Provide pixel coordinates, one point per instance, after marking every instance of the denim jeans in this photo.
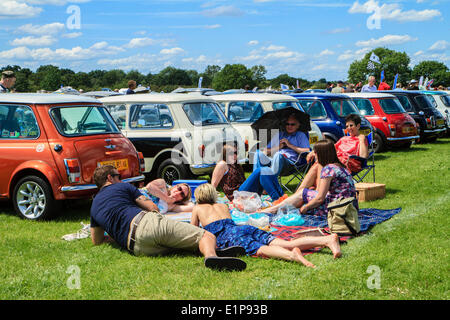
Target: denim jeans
(261, 179)
(276, 163)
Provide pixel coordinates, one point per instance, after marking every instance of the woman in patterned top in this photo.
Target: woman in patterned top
(335, 182)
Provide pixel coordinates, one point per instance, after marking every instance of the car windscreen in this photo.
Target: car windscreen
(204, 113)
(446, 100)
(391, 106)
(432, 101)
(287, 104)
(244, 111)
(423, 102)
(364, 106)
(314, 108)
(85, 120)
(344, 107)
(404, 101)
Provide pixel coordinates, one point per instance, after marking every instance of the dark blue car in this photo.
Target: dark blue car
(328, 111)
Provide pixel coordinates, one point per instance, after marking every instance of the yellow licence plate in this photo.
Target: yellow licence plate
(120, 164)
(440, 122)
(313, 139)
(365, 132)
(407, 129)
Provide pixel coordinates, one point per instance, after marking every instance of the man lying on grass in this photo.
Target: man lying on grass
(216, 218)
(133, 221)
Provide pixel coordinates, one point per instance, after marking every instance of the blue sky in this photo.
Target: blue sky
(311, 39)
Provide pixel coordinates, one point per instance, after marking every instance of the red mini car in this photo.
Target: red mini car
(393, 126)
(50, 145)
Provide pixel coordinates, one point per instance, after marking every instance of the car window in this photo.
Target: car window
(446, 100)
(18, 122)
(344, 107)
(77, 121)
(118, 112)
(432, 101)
(286, 104)
(364, 106)
(391, 106)
(423, 102)
(244, 111)
(200, 114)
(314, 108)
(150, 116)
(405, 103)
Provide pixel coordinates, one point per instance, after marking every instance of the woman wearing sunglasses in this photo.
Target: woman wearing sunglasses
(288, 144)
(169, 199)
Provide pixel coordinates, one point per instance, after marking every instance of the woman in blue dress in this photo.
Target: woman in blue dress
(216, 218)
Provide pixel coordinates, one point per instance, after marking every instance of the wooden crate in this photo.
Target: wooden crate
(370, 191)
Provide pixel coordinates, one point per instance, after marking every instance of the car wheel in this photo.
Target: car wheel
(169, 171)
(33, 199)
(378, 144)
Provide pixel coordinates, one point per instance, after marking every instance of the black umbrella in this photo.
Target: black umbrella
(275, 121)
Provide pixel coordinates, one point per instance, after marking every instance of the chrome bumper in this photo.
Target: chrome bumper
(434, 130)
(85, 187)
(403, 138)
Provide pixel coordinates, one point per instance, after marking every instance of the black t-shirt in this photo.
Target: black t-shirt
(113, 209)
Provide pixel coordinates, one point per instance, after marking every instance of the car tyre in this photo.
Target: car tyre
(378, 143)
(33, 199)
(170, 171)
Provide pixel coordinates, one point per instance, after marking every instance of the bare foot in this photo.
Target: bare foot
(334, 245)
(298, 257)
(269, 210)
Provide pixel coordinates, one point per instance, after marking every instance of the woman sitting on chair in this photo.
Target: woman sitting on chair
(229, 175)
(355, 144)
(288, 144)
(335, 182)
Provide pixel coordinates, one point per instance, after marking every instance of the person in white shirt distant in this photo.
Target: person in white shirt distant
(370, 86)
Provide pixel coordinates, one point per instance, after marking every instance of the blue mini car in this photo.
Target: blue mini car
(328, 111)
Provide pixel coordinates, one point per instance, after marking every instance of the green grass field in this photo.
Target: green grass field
(409, 252)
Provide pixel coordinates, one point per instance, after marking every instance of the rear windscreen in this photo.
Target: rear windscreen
(78, 121)
(423, 102)
(391, 106)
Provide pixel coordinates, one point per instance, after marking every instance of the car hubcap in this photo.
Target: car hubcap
(31, 200)
(170, 174)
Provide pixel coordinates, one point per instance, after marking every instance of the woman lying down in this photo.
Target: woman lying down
(216, 218)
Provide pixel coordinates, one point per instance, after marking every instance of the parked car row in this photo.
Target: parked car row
(51, 143)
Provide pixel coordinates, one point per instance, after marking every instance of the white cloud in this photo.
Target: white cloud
(17, 10)
(140, 42)
(72, 35)
(386, 40)
(350, 55)
(223, 11)
(48, 29)
(172, 51)
(440, 46)
(393, 11)
(326, 52)
(253, 42)
(33, 41)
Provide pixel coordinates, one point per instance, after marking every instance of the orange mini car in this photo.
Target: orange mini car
(50, 145)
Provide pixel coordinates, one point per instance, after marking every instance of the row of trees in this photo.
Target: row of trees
(231, 76)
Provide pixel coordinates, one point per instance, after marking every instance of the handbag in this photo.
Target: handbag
(343, 217)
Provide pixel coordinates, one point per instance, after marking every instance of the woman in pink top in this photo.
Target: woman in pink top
(353, 144)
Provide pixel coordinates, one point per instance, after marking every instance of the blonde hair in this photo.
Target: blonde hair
(205, 193)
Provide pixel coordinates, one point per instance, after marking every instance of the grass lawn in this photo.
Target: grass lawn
(409, 252)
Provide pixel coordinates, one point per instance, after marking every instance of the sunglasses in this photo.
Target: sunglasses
(179, 188)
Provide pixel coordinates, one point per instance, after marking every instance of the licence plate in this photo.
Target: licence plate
(440, 122)
(120, 164)
(407, 129)
(313, 139)
(365, 132)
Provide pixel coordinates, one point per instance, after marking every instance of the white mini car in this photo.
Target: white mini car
(441, 101)
(180, 135)
(244, 109)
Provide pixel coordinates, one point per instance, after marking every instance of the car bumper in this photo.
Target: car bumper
(85, 187)
(392, 139)
(434, 130)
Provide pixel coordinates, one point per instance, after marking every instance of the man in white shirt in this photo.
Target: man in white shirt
(370, 86)
(8, 80)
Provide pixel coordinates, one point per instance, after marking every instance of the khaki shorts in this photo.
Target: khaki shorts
(157, 235)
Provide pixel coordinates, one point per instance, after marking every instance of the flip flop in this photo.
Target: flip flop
(225, 264)
(234, 251)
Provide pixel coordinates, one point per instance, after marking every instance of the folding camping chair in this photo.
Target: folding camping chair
(366, 167)
(296, 170)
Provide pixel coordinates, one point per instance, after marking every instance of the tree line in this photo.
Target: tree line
(231, 76)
